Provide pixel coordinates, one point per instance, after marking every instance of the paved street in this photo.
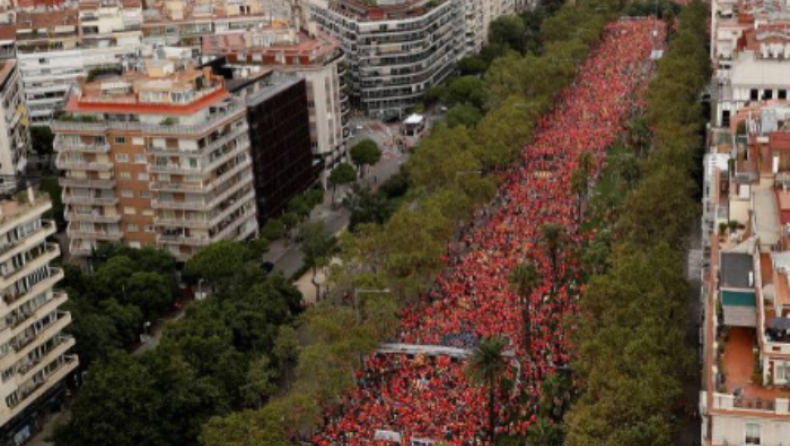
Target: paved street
(286, 255)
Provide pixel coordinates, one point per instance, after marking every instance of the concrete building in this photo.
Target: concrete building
(60, 43)
(34, 350)
(746, 287)
(157, 156)
(14, 131)
(750, 52)
(318, 59)
(396, 50)
(278, 119)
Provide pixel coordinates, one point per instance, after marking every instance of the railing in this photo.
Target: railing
(13, 301)
(51, 251)
(60, 346)
(61, 145)
(177, 187)
(92, 218)
(157, 203)
(723, 401)
(95, 235)
(88, 200)
(223, 139)
(32, 393)
(249, 197)
(65, 164)
(86, 183)
(233, 111)
(182, 240)
(241, 165)
(181, 223)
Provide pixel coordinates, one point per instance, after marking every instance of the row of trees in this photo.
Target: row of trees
(393, 256)
(632, 354)
(230, 352)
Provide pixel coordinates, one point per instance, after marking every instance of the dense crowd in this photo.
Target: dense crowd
(429, 397)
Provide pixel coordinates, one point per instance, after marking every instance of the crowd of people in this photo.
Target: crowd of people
(429, 397)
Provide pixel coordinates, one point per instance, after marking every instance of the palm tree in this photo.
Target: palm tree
(523, 278)
(553, 235)
(486, 367)
(579, 185)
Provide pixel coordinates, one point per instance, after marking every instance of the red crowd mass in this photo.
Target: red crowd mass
(426, 397)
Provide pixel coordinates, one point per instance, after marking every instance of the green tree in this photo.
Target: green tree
(341, 175)
(466, 115)
(52, 188)
(464, 90)
(553, 236)
(366, 206)
(272, 230)
(42, 140)
(218, 261)
(245, 428)
(261, 382)
(365, 153)
(472, 66)
(299, 206)
(509, 30)
(150, 292)
(318, 244)
(486, 367)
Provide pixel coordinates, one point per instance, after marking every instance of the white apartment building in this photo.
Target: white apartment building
(396, 50)
(34, 351)
(158, 156)
(14, 131)
(57, 45)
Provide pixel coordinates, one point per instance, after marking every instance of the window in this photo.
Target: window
(754, 94)
(127, 193)
(131, 227)
(781, 94)
(129, 210)
(148, 212)
(768, 94)
(164, 177)
(121, 158)
(120, 140)
(149, 228)
(124, 175)
(143, 176)
(752, 433)
(138, 141)
(145, 194)
(139, 158)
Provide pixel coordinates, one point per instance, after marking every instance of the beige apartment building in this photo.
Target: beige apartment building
(34, 351)
(158, 156)
(14, 133)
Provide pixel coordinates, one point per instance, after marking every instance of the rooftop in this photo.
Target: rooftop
(44, 20)
(739, 366)
(384, 9)
(22, 202)
(272, 47)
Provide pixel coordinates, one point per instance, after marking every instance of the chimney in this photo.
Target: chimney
(30, 195)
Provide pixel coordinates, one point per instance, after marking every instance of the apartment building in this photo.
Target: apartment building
(14, 132)
(398, 49)
(34, 351)
(58, 44)
(318, 59)
(746, 286)
(282, 158)
(750, 52)
(157, 156)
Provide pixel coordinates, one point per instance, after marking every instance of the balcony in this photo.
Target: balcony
(60, 347)
(14, 301)
(195, 205)
(175, 187)
(63, 146)
(217, 119)
(163, 239)
(24, 345)
(17, 322)
(174, 168)
(222, 179)
(32, 239)
(92, 218)
(51, 252)
(181, 223)
(86, 183)
(88, 200)
(246, 219)
(64, 163)
(94, 235)
(247, 198)
(69, 364)
(223, 139)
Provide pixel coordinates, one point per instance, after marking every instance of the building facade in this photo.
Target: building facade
(279, 126)
(318, 59)
(15, 142)
(159, 156)
(57, 45)
(34, 350)
(397, 50)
